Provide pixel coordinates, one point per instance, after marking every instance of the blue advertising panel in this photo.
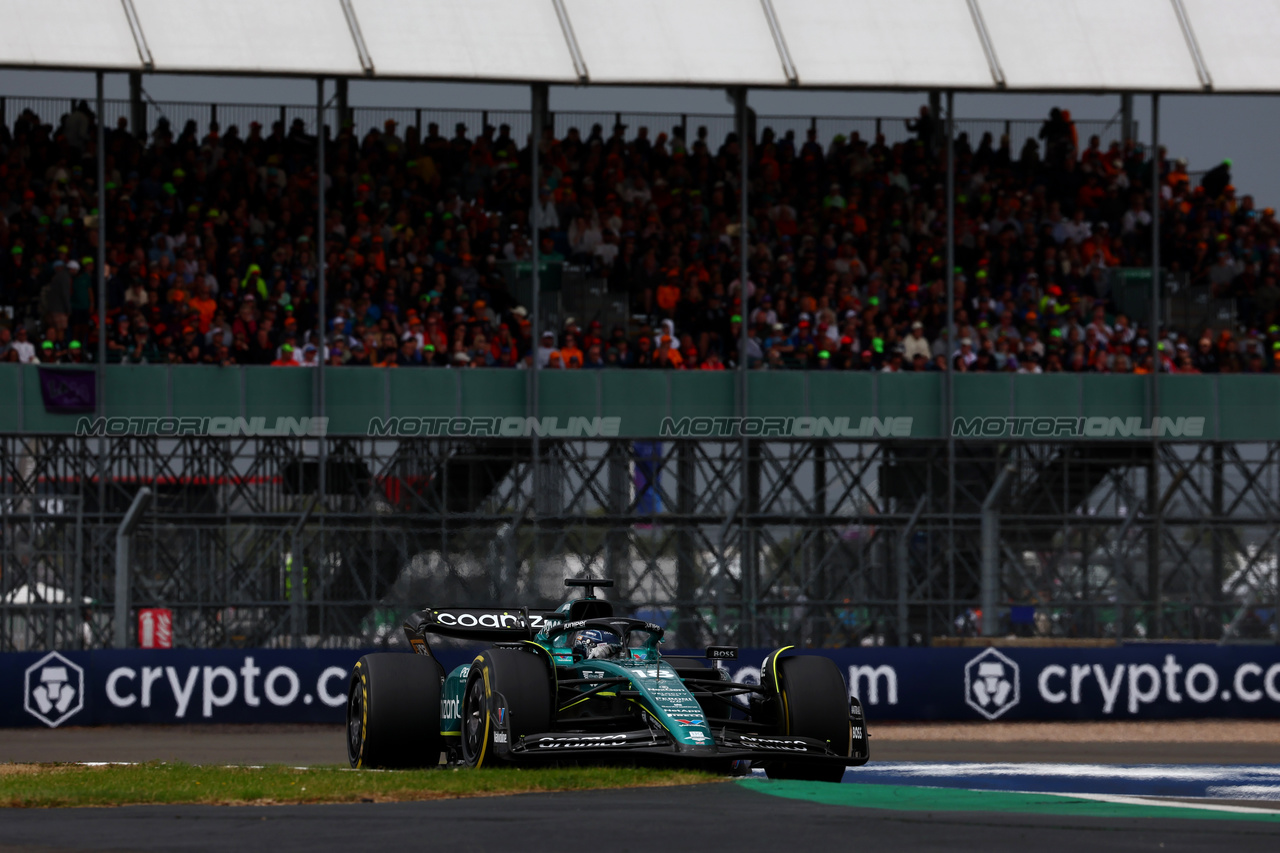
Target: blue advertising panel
(1132, 682)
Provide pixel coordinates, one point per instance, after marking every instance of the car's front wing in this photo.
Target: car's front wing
(736, 746)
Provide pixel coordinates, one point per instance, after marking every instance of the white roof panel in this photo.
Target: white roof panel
(466, 39)
(1238, 42)
(878, 44)
(676, 42)
(89, 34)
(275, 37)
(1091, 45)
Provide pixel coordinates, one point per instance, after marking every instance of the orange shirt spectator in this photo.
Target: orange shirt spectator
(666, 356)
(205, 306)
(669, 292)
(570, 354)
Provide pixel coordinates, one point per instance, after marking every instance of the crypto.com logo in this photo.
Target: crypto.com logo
(53, 690)
(991, 684)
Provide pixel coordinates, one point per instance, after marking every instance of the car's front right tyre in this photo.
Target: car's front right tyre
(523, 680)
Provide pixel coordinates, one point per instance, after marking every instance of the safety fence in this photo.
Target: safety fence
(820, 542)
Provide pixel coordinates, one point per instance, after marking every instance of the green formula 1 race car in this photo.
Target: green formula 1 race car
(580, 683)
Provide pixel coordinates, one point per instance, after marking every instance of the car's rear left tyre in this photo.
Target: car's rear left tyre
(523, 680)
(393, 711)
(814, 704)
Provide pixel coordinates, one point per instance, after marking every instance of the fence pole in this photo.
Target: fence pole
(124, 574)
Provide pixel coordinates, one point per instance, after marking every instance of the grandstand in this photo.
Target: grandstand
(211, 263)
(493, 260)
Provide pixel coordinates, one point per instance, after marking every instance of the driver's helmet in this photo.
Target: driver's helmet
(593, 643)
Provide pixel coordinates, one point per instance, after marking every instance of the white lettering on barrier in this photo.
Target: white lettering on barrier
(1242, 691)
(1079, 672)
(1171, 670)
(1138, 696)
(1208, 672)
(150, 675)
(333, 700)
(213, 699)
(1269, 683)
(113, 687)
(873, 675)
(1110, 690)
(269, 686)
(1054, 697)
(249, 672)
(182, 692)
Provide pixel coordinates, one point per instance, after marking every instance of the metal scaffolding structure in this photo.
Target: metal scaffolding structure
(813, 542)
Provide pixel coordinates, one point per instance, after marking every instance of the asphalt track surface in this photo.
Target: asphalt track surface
(703, 818)
(915, 796)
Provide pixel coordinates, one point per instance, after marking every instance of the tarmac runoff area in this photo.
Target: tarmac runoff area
(991, 787)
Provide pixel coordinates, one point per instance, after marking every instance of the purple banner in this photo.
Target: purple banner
(68, 391)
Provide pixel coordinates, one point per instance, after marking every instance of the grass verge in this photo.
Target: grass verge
(50, 785)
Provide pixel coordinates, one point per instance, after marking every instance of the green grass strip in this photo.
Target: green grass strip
(918, 799)
(116, 785)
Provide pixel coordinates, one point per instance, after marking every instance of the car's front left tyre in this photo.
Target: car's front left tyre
(811, 701)
(393, 711)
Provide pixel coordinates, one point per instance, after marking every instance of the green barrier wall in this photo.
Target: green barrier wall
(1238, 408)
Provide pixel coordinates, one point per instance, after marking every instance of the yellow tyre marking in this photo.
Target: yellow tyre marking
(786, 708)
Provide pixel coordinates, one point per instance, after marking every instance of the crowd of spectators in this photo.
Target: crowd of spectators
(212, 249)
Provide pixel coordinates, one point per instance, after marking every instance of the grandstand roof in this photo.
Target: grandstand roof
(968, 45)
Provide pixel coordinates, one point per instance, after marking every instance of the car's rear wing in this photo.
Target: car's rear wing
(488, 624)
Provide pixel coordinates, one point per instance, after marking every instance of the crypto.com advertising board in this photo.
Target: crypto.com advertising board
(1137, 682)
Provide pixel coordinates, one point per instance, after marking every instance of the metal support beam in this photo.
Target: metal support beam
(1154, 582)
(991, 552)
(686, 545)
(124, 572)
(948, 404)
(539, 103)
(323, 295)
(102, 247)
(749, 483)
(903, 567)
(1217, 559)
(102, 293)
(1126, 117)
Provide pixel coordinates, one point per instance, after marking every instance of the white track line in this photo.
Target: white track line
(1159, 803)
